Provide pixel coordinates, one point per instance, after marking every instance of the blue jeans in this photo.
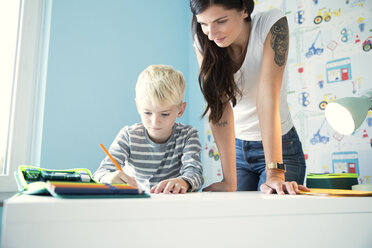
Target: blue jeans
(250, 162)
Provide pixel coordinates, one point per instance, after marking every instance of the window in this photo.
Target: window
(9, 13)
(21, 92)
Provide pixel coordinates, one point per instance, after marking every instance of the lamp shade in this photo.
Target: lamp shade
(345, 115)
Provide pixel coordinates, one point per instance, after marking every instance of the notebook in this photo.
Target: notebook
(336, 192)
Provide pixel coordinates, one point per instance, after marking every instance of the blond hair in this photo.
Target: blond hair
(162, 84)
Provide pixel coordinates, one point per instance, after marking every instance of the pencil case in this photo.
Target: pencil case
(70, 183)
(332, 180)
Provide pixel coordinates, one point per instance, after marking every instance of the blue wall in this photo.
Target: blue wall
(96, 51)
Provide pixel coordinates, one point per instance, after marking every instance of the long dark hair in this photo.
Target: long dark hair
(216, 76)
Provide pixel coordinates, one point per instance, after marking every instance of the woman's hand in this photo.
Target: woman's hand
(118, 177)
(275, 184)
(174, 186)
(221, 186)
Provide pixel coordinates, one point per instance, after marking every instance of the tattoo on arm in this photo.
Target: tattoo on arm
(222, 124)
(279, 40)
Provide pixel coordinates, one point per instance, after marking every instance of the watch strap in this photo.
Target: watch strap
(276, 165)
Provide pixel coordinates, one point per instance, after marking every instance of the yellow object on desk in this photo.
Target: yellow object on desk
(336, 192)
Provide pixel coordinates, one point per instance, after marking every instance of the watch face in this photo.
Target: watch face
(281, 166)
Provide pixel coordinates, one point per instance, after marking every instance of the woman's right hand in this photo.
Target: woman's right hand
(118, 177)
(221, 186)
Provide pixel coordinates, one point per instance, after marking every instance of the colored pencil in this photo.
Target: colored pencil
(112, 158)
(118, 167)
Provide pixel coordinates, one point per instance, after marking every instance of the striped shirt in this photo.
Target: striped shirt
(150, 163)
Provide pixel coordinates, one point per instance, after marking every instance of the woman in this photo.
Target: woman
(242, 62)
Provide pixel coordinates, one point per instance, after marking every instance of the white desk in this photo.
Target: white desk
(239, 219)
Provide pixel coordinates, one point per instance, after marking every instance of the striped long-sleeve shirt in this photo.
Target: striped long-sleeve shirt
(149, 162)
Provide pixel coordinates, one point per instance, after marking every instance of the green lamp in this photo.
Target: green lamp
(347, 114)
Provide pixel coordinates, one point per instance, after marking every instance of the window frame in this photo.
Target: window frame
(24, 134)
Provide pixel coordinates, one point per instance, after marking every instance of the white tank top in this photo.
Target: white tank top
(247, 126)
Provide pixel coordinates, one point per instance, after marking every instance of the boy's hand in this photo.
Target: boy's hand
(118, 177)
(174, 186)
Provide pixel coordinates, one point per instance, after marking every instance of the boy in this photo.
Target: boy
(160, 155)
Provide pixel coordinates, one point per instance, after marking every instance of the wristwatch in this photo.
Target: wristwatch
(275, 165)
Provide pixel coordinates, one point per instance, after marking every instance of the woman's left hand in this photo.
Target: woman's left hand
(276, 184)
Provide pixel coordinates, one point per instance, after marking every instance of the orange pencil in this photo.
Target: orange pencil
(112, 158)
(132, 181)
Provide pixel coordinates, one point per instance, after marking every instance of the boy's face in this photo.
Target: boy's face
(158, 120)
